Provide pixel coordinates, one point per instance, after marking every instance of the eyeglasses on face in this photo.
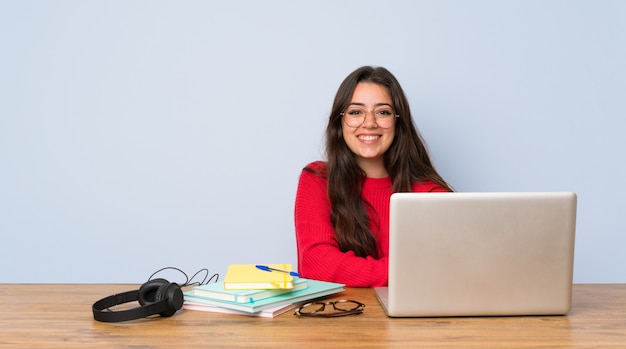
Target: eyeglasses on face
(343, 307)
(355, 116)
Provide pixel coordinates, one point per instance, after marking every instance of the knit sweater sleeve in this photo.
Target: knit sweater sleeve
(319, 256)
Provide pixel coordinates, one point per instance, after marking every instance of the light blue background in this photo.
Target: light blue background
(141, 134)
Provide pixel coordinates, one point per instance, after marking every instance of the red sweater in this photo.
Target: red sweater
(319, 256)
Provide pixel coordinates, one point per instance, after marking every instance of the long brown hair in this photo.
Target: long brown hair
(407, 162)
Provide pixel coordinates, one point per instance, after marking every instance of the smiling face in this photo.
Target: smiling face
(369, 141)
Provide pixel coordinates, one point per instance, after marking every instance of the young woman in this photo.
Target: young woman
(342, 205)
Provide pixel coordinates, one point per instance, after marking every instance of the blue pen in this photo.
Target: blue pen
(266, 268)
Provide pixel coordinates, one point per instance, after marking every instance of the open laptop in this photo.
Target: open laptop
(480, 254)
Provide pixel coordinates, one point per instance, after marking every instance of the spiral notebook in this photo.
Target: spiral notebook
(480, 254)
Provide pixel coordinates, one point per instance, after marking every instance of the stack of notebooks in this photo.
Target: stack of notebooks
(248, 290)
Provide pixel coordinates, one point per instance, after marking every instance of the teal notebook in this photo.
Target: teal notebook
(315, 289)
(216, 291)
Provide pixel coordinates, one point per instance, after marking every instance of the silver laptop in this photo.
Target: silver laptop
(480, 254)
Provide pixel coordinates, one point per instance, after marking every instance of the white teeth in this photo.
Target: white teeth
(368, 138)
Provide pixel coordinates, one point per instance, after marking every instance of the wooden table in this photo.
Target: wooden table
(59, 316)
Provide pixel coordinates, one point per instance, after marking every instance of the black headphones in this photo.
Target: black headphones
(157, 296)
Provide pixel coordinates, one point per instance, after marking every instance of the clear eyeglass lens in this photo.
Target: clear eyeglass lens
(347, 306)
(355, 117)
(311, 308)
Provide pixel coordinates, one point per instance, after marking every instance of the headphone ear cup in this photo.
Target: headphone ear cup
(148, 291)
(174, 296)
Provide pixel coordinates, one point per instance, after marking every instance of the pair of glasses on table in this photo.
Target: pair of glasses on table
(343, 307)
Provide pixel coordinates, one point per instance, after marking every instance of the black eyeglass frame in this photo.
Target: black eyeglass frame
(356, 310)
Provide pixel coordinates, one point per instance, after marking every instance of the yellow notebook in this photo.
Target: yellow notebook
(248, 276)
